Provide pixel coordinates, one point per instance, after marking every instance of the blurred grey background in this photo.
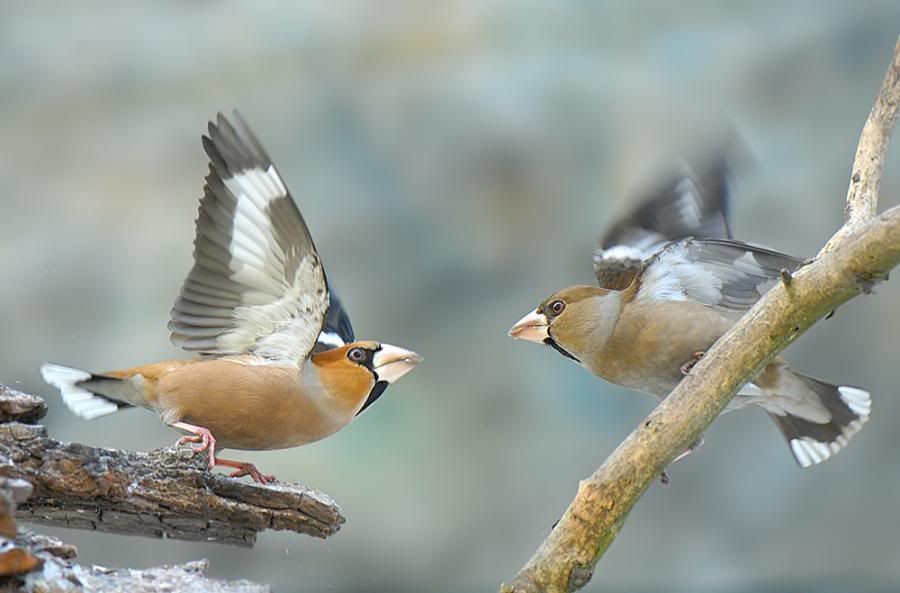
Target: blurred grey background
(456, 162)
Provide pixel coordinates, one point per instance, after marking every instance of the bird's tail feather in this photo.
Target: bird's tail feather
(813, 443)
(78, 390)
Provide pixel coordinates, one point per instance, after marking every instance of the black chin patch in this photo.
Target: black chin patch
(550, 342)
(376, 392)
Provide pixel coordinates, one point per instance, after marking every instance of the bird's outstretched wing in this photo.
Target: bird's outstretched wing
(694, 203)
(257, 285)
(728, 275)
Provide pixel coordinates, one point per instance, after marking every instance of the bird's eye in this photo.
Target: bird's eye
(357, 354)
(557, 307)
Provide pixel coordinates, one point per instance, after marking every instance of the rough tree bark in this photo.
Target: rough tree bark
(163, 493)
(167, 492)
(34, 563)
(860, 254)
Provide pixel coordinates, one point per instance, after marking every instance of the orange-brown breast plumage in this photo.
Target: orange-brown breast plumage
(254, 406)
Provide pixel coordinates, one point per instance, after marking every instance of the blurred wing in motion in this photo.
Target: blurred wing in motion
(257, 285)
(695, 203)
(728, 275)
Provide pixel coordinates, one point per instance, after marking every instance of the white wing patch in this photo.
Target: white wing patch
(639, 246)
(725, 274)
(257, 183)
(257, 284)
(619, 252)
(331, 339)
(273, 329)
(692, 203)
(253, 247)
(258, 262)
(270, 320)
(673, 277)
(688, 203)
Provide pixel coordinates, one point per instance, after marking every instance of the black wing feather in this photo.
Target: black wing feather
(693, 203)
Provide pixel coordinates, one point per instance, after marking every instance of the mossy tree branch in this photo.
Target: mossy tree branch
(860, 254)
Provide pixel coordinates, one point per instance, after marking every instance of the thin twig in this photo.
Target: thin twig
(865, 176)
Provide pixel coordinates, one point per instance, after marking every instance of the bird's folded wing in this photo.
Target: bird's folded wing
(257, 285)
(694, 203)
(728, 275)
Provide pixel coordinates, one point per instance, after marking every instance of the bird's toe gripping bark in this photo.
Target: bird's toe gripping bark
(198, 435)
(244, 468)
(686, 367)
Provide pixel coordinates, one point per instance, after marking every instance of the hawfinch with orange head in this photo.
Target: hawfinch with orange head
(279, 365)
(664, 298)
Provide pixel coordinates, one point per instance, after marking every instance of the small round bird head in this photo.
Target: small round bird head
(571, 321)
(361, 371)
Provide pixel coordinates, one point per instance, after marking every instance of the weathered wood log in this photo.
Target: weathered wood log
(39, 564)
(167, 492)
(21, 407)
(36, 563)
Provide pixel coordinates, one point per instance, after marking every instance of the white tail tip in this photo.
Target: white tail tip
(808, 451)
(82, 402)
(858, 400)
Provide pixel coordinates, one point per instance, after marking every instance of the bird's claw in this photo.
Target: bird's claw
(249, 469)
(786, 276)
(686, 367)
(207, 443)
(245, 468)
(664, 476)
(188, 438)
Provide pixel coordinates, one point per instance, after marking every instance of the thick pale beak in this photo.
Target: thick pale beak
(391, 363)
(533, 327)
